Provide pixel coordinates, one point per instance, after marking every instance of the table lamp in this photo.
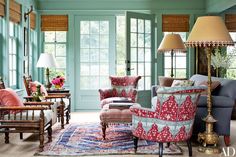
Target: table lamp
(172, 43)
(46, 60)
(209, 32)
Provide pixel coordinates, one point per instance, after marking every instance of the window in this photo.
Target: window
(120, 46)
(179, 61)
(55, 42)
(231, 71)
(12, 56)
(32, 48)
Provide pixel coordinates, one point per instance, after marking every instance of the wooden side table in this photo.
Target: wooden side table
(65, 92)
(58, 91)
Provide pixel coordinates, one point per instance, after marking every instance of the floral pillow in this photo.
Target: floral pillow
(182, 83)
(33, 87)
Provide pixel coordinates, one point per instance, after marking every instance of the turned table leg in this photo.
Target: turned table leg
(104, 126)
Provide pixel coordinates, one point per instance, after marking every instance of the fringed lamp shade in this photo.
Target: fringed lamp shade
(209, 31)
(172, 42)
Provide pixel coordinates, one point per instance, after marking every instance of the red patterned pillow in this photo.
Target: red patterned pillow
(33, 87)
(8, 97)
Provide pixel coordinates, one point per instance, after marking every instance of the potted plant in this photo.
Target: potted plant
(58, 82)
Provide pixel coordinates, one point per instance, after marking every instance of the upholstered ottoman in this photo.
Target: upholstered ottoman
(113, 115)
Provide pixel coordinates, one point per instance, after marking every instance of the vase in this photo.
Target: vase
(37, 96)
(57, 87)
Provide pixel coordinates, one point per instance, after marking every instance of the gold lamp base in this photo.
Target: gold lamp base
(209, 138)
(209, 150)
(48, 84)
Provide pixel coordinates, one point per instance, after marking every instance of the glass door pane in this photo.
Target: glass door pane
(140, 47)
(94, 54)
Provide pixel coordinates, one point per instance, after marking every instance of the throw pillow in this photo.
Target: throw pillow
(9, 97)
(165, 81)
(182, 83)
(33, 87)
(214, 85)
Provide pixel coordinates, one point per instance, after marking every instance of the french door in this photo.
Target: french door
(140, 34)
(95, 58)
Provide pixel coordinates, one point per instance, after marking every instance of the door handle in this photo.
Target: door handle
(129, 69)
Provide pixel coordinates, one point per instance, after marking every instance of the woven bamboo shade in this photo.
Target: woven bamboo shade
(2, 8)
(54, 22)
(32, 20)
(230, 22)
(175, 23)
(15, 12)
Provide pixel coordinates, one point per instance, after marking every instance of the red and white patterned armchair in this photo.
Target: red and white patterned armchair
(123, 88)
(172, 118)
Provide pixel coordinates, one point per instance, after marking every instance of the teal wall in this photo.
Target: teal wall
(218, 6)
(73, 5)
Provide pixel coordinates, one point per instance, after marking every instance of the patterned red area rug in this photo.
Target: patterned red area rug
(86, 139)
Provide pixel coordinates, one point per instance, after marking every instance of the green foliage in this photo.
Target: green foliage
(231, 74)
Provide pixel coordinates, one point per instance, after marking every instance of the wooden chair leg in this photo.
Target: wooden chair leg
(168, 144)
(41, 131)
(160, 149)
(41, 141)
(7, 136)
(59, 115)
(69, 107)
(135, 143)
(67, 116)
(50, 132)
(190, 152)
(62, 115)
(21, 135)
(104, 126)
(227, 140)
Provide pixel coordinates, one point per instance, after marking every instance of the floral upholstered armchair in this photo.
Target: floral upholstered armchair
(123, 88)
(172, 118)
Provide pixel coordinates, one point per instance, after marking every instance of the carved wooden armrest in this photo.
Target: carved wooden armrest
(44, 103)
(23, 108)
(55, 96)
(61, 95)
(67, 95)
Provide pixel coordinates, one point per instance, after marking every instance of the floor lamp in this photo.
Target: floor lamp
(209, 32)
(46, 60)
(172, 43)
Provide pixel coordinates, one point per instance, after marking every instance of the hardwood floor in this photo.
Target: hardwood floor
(29, 145)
